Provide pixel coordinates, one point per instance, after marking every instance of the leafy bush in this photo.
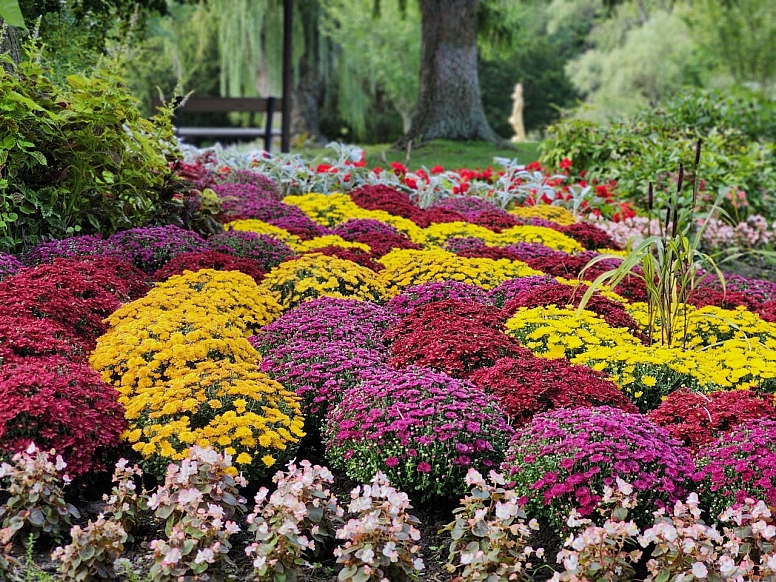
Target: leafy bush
(563, 460)
(528, 385)
(422, 428)
(739, 465)
(92, 551)
(79, 159)
(698, 419)
(59, 404)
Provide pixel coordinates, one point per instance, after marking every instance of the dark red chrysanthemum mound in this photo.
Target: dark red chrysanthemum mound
(431, 216)
(767, 311)
(589, 236)
(562, 295)
(486, 252)
(699, 419)
(529, 385)
(23, 335)
(429, 315)
(382, 244)
(59, 404)
(703, 296)
(382, 197)
(209, 260)
(495, 220)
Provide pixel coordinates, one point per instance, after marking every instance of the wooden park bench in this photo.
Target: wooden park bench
(266, 105)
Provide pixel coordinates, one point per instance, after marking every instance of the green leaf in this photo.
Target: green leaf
(36, 517)
(663, 576)
(11, 13)
(86, 552)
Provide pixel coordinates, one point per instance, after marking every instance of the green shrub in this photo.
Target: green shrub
(737, 150)
(78, 159)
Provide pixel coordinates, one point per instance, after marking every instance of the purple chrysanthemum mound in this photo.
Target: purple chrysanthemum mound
(740, 464)
(353, 228)
(241, 201)
(510, 288)
(422, 428)
(319, 372)
(9, 265)
(526, 251)
(87, 245)
(462, 244)
(563, 459)
(149, 248)
(328, 319)
(300, 225)
(418, 295)
(249, 177)
(265, 249)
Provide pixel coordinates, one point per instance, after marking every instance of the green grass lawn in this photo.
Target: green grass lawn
(448, 154)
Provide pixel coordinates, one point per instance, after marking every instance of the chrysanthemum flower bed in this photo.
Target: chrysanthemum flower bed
(415, 343)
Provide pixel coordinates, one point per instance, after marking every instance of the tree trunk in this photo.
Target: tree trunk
(305, 102)
(11, 43)
(449, 101)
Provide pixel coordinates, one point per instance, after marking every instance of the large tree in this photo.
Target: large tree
(449, 100)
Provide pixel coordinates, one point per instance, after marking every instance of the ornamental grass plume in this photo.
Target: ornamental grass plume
(265, 249)
(151, 247)
(526, 386)
(320, 372)
(418, 295)
(740, 464)
(422, 428)
(209, 260)
(327, 319)
(563, 459)
(59, 404)
(698, 419)
(316, 275)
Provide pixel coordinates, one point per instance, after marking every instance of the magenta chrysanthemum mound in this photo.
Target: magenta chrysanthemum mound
(564, 458)
(328, 319)
(418, 295)
(740, 464)
(423, 429)
(265, 249)
(319, 372)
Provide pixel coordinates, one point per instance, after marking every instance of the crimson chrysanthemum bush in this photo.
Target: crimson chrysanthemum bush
(698, 419)
(486, 252)
(495, 220)
(382, 244)
(728, 299)
(75, 293)
(466, 205)
(423, 429)
(767, 311)
(555, 293)
(60, 404)
(413, 297)
(528, 385)
(24, 335)
(454, 346)
(429, 316)
(209, 260)
(560, 264)
(358, 256)
(512, 287)
(430, 216)
(589, 236)
(383, 197)
(353, 228)
(740, 464)
(563, 459)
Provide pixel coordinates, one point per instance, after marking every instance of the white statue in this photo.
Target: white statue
(516, 119)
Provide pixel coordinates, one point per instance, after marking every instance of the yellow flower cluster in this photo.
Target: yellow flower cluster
(232, 294)
(557, 332)
(314, 275)
(406, 267)
(261, 227)
(553, 213)
(187, 375)
(438, 234)
(709, 325)
(745, 362)
(538, 234)
(329, 240)
(333, 209)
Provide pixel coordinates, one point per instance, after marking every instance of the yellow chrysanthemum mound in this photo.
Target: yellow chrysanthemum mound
(538, 234)
(232, 294)
(188, 375)
(709, 325)
(315, 275)
(555, 332)
(553, 213)
(437, 235)
(333, 209)
(329, 240)
(405, 268)
(261, 227)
